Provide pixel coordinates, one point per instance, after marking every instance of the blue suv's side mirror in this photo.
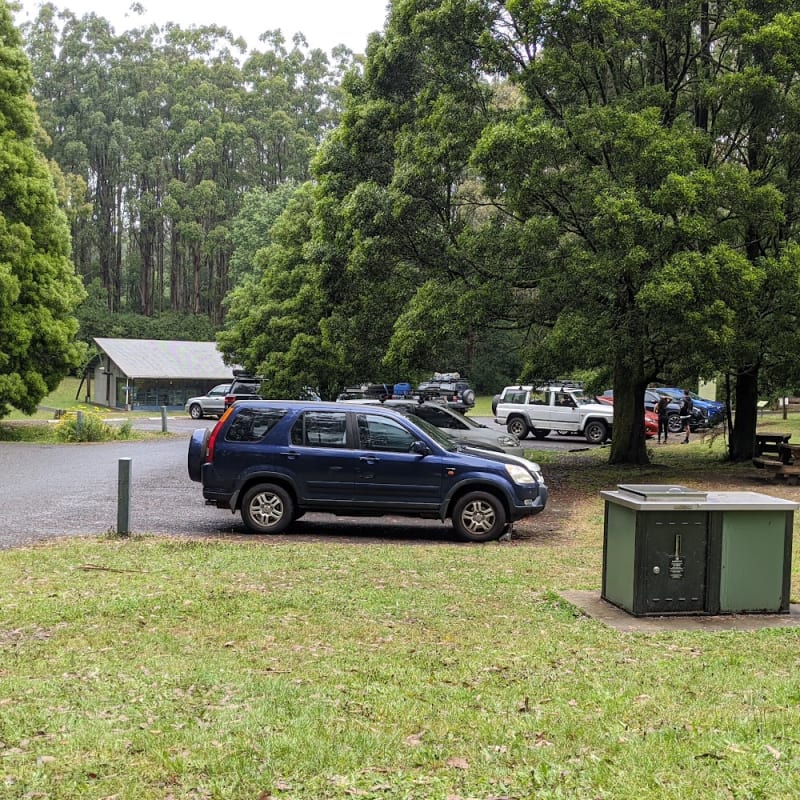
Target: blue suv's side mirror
(421, 448)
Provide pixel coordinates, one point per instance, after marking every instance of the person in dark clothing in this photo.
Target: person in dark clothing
(686, 414)
(663, 417)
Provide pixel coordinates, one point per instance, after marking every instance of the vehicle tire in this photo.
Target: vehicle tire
(596, 432)
(564, 433)
(518, 427)
(267, 508)
(468, 398)
(674, 423)
(541, 433)
(196, 411)
(479, 517)
(198, 444)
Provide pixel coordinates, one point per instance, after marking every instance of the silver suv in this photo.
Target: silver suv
(211, 404)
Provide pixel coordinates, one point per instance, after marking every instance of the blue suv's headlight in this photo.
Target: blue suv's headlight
(522, 476)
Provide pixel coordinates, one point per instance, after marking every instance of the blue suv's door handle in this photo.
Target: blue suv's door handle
(291, 454)
(369, 459)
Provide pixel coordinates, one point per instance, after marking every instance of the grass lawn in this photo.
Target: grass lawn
(277, 668)
(66, 396)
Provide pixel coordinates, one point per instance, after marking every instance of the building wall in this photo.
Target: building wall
(152, 393)
(104, 387)
(112, 389)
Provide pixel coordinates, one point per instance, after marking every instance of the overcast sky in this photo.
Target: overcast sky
(325, 23)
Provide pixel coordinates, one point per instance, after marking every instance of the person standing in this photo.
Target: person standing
(663, 417)
(687, 405)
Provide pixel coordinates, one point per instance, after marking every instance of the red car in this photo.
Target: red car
(650, 417)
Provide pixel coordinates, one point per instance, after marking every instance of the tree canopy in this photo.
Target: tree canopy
(614, 181)
(607, 187)
(164, 131)
(39, 289)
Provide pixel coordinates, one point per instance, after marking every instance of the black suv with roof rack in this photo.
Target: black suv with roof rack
(367, 391)
(449, 388)
(244, 387)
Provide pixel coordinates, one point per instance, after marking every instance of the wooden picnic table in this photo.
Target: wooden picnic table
(770, 443)
(784, 462)
(789, 453)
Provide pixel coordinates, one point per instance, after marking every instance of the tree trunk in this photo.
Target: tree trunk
(628, 415)
(743, 432)
(197, 281)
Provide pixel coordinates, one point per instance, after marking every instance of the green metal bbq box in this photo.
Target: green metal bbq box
(668, 549)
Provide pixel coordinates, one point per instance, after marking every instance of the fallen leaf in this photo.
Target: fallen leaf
(458, 763)
(541, 741)
(773, 752)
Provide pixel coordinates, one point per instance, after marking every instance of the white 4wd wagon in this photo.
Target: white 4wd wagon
(563, 407)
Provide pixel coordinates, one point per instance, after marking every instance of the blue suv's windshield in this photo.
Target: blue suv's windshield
(437, 434)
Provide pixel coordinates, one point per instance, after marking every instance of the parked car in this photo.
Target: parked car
(562, 407)
(650, 417)
(449, 387)
(711, 412)
(462, 428)
(244, 387)
(211, 404)
(674, 422)
(366, 391)
(274, 460)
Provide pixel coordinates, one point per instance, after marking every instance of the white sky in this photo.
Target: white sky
(325, 23)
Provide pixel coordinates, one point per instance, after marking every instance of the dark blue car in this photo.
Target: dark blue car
(274, 460)
(712, 410)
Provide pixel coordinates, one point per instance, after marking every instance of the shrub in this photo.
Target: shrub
(84, 427)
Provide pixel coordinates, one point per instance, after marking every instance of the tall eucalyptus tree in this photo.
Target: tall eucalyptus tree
(169, 129)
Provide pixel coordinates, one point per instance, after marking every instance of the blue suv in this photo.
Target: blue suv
(713, 412)
(274, 460)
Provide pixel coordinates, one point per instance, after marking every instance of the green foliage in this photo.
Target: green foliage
(167, 130)
(251, 228)
(273, 314)
(86, 426)
(42, 434)
(612, 211)
(38, 286)
(96, 319)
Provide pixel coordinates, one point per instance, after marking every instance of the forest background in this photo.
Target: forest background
(508, 189)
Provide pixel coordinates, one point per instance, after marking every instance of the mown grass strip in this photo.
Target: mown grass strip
(152, 668)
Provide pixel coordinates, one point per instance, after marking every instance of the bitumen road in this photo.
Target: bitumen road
(56, 490)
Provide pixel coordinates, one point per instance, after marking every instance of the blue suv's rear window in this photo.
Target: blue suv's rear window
(253, 424)
(320, 429)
